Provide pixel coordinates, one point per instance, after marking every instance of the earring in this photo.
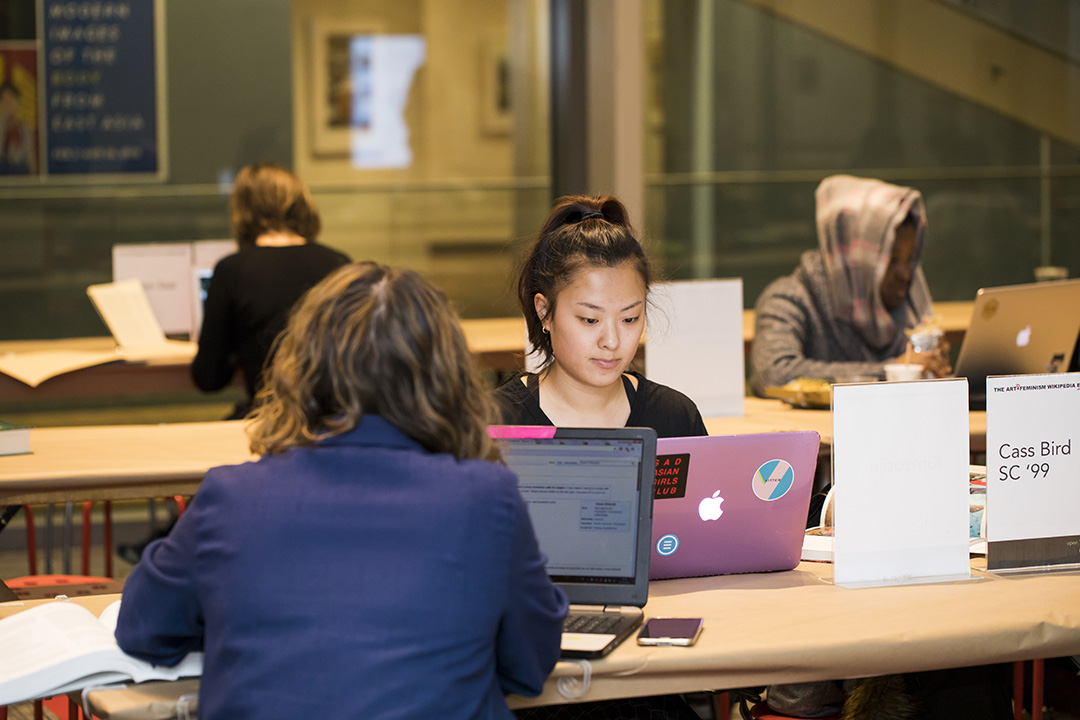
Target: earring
(543, 330)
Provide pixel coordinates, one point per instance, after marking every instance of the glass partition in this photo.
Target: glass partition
(751, 109)
(433, 167)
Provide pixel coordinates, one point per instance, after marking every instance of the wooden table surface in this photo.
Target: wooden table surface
(499, 344)
(797, 626)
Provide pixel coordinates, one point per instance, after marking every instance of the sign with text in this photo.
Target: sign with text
(165, 272)
(1032, 471)
(694, 342)
(671, 472)
(900, 474)
(175, 276)
(101, 96)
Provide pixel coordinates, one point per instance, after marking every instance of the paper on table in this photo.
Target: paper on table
(819, 548)
(126, 311)
(35, 367)
(166, 352)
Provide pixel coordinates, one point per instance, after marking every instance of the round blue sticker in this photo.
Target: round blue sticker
(667, 545)
(773, 479)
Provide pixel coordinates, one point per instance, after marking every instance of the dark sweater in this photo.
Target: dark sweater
(796, 334)
(667, 411)
(247, 306)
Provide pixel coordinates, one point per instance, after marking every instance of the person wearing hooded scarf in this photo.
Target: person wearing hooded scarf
(844, 310)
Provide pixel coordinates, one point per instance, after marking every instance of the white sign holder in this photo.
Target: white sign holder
(694, 343)
(900, 472)
(1033, 472)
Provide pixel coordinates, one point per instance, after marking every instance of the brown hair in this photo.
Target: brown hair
(371, 339)
(580, 232)
(268, 198)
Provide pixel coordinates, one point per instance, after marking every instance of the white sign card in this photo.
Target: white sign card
(694, 342)
(900, 473)
(165, 272)
(1032, 471)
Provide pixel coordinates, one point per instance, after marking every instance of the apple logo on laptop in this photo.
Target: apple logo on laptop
(1023, 337)
(709, 508)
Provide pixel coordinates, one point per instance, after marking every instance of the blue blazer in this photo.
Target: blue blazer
(360, 577)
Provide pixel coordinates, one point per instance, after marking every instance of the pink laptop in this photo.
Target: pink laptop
(731, 503)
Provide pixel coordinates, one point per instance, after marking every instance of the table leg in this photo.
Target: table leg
(1018, 689)
(48, 539)
(8, 515)
(1037, 689)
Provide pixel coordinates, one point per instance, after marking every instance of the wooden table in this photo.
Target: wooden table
(797, 626)
(119, 462)
(499, 344)
(139, 461)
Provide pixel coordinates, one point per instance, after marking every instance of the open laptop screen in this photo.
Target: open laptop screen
(1020, 330)
(589, 493)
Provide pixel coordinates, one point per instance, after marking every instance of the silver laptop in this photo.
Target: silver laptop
(589, 493)
(1020, 330)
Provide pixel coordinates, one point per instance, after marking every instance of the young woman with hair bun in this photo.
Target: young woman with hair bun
(584, 290)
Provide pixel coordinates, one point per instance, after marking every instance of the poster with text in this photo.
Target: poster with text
(101, 68)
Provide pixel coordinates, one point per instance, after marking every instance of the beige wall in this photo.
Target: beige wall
(455, 194)
(449, 137)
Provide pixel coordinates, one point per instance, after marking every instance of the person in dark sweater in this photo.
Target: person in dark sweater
(251, 292)
(846, 310)
(583, 290)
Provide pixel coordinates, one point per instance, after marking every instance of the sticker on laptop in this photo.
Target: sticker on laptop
(670, 480)
(667, 545)
(773, 480)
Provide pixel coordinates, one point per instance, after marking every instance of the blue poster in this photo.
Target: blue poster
(100, 83)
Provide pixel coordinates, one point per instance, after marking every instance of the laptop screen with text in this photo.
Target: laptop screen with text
(589, 494)
(582, 497)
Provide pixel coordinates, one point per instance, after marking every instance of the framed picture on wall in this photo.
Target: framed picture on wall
(495, 115)
(335, 88)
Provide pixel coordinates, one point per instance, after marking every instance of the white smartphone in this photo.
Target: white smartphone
(670, 631)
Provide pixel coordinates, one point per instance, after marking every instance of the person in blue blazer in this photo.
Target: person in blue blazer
(374, 563)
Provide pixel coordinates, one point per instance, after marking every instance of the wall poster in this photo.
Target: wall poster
(81, 93)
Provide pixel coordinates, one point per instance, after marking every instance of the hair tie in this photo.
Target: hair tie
(591, 214)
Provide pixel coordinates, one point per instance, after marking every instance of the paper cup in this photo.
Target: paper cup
(1049, 273)
(903, 371)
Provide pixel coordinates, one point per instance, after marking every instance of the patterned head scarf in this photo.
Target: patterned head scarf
(856, 222)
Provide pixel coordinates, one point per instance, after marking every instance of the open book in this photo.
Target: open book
(59, 647)
(126, 311)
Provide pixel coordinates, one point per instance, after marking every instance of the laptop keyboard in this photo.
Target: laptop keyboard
(592, 623)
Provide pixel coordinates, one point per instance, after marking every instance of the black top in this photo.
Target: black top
(247, 305)
(667, 411)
